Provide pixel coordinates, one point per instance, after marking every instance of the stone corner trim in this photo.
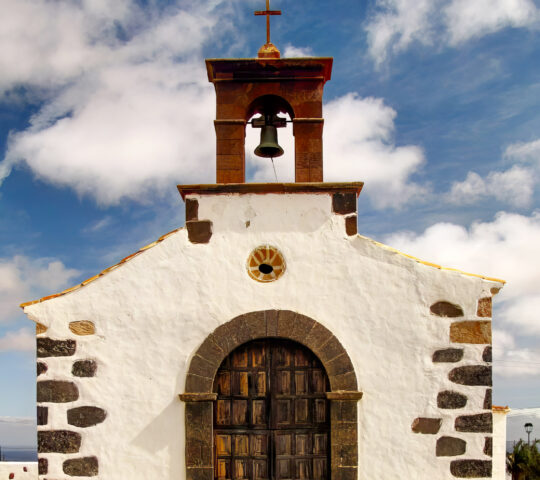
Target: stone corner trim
(199, 231)
(446, 309)
(471, 468)
(484, 307)
(86, 416)
(473, 375)
(451, 400)
(84, 368)
(47, 347)
(81, 467)
(344, 203)
(479, 423)
(56, 391)
(351, 225)
(192, 209)
(344, 395)
(476, 331)
(448, 355)
(82, 327)
(58, 441)
(450, 447)
(428, 426)
(197, 397)
(40, 328)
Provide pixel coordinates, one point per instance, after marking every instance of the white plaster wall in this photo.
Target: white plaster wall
(18, 470)
(153, 312)
(499, 445)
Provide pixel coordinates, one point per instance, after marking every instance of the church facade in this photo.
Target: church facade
(267, 338)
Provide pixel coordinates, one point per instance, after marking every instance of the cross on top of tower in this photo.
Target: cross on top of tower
(268, 50)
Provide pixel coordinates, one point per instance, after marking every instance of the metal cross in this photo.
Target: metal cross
(268, 12)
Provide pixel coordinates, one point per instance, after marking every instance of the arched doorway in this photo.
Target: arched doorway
(271, 414)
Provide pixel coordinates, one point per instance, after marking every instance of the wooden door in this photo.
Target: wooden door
(271, 417)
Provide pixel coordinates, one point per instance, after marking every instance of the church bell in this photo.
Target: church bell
(269, 147)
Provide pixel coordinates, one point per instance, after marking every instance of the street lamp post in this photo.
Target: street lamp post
(528, 429)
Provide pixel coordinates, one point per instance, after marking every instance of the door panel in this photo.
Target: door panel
(271, 415)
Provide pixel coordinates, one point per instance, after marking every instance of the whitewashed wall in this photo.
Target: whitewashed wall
(499, 444)
(19, 470)
(153, 312)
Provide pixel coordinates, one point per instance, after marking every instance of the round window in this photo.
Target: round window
(265, 264)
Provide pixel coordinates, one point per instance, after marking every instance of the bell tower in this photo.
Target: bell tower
(269, 85)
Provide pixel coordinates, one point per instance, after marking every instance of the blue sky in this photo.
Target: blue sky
(434, 104)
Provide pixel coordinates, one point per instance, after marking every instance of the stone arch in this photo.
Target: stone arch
(266, 103)
(283, 324)
(268, 324)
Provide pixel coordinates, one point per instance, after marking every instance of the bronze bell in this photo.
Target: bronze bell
(269, 147)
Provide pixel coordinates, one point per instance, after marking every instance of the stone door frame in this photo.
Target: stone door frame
(285, 324)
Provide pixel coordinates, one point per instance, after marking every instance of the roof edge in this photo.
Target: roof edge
(102, 273)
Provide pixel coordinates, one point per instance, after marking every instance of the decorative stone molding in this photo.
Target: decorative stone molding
(58, 441)
(84, 368)
(351, 225)
(428, 426)
(484, 307)
(448, 355)
(57, 391)
(487, 400)
(471, 468)
(488, 446)
(482, 422)
(43, 466)
(42, 415)
(448, 399)
(40, 328)
(192, 209)
(199, 231)
(41, 368)
(47, 347)
(85, 416)
(82, 327)
(486, 355)
(344, 203)
(476, 332)
(474, 375)
(450, 447)
(81, 467)
(446, 309)
(284, 324)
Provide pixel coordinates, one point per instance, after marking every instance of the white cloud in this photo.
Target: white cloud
(514, 186)
(23, 340)
(505, 248)
(292, 51)
(23, 279)
(358, 145)
(129, 117)
(397, 24)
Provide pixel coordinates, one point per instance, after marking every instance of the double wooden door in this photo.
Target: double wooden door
(271, 417)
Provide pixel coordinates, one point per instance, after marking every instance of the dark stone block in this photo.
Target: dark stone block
(195, 383)
(450, 447)
(339, 365)
(84, 368)
(487, 400)
(200, 473)
(482, 422)
(345, 473)
(476, 375)
(285, 322)
(471, 468)
(41, 368)
(446, 309)
(271, 319)
(47, 347)
(211, 352)
(201, 367)
(58, 441)
(85, 416)
(81, 467)
(192, 209)
(344, 411)
(351, 225)
(317, 337)
(42, 415)
(43, 466)
(345, 381)
(448, 355)
(488, 446)
(199, 231)
(344, 203)
(330, 350)
(449, 399)
(255, 322)
(56, 391)
(486, 355)
(426, 425)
